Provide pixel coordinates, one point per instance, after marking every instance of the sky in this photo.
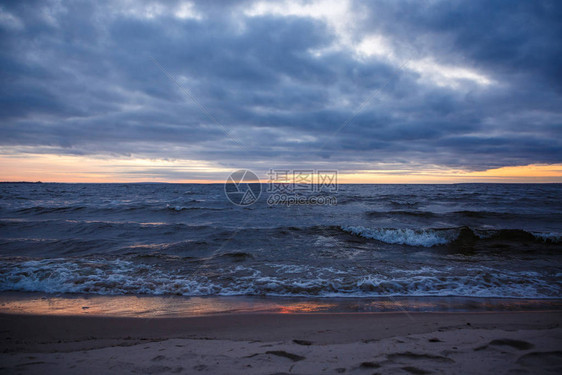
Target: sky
(381, 91)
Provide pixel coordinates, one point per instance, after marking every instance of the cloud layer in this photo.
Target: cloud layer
(357, 86)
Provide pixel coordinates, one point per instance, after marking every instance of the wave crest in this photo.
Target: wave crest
(443, 236)
(411, 237)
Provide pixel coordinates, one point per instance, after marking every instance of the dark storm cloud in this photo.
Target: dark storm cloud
(473, 84)
(505, 37)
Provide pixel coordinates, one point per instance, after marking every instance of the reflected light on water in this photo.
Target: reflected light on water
(177, 306)
(137, 306)
(306, 307)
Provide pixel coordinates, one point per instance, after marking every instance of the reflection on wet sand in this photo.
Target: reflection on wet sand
(176, 306)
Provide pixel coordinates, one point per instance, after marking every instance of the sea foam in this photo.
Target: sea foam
(411, 237)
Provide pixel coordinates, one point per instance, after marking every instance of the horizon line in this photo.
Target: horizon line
(266, 182)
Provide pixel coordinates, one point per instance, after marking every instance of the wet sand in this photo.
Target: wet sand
(274, 343)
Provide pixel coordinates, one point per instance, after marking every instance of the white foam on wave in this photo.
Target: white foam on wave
(114, 277)
(553, 237)
(411, 237)
(478, 283)
(176, 208)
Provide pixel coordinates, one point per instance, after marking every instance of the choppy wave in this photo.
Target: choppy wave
(50, 209)
(455, 215)
(552, 237)
(114, 277)
(379, 240)
(116, 207)
(411, 237)
(442, 236)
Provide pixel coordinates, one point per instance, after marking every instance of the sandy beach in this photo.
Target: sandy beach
(370, 343)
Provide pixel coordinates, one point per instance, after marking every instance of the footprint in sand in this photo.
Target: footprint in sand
(517, 344)
(369, 365)
(544, 360)
(415, 370)
(302, 342)
(282, 353)
(418, 356)
(161, 369)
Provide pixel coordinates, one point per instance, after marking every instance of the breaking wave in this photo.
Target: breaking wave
(117, 277)
(411, 237)
(443, 236)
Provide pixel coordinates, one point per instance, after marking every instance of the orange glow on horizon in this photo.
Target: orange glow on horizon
(523, 173)
(66, 168)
